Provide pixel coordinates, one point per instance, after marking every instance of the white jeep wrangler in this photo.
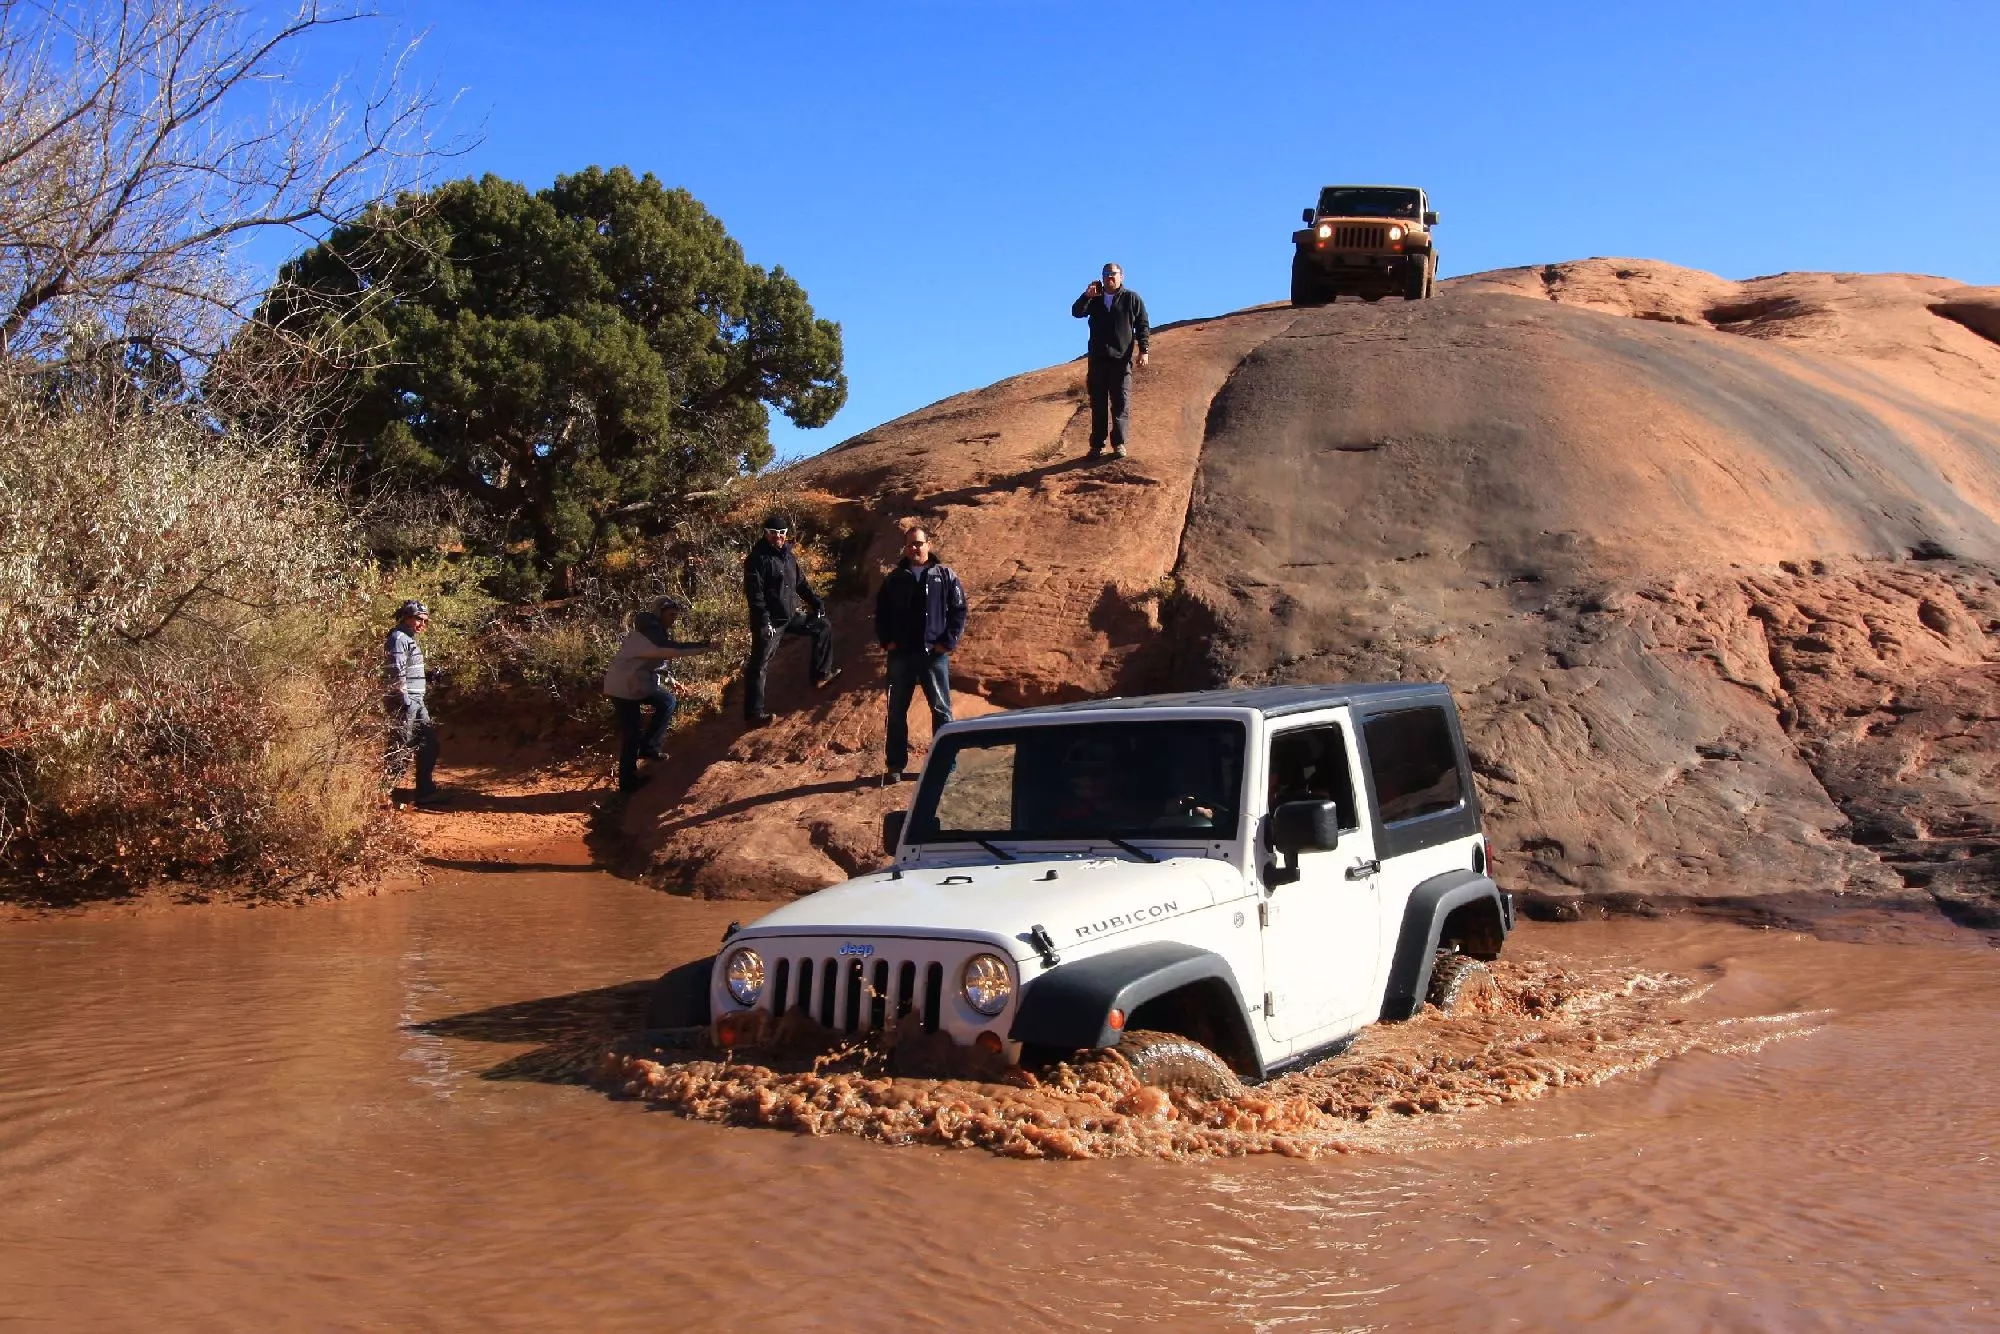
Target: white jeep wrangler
(1222, 884)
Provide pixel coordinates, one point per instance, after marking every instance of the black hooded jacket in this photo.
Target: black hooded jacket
(774, 586)
(1114, 331)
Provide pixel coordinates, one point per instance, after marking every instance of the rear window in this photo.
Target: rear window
(1413, 762)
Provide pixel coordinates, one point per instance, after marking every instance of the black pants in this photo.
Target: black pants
(1110, 386)
(639, 735)
(411, 731)
(908, 669)
(764, 647)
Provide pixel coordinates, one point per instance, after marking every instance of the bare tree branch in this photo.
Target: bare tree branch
(142, 143)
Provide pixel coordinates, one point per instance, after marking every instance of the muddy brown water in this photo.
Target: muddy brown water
(351, 1117)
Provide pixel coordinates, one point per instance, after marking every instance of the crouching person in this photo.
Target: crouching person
(638, 682)
(411, 731)
(919, 616)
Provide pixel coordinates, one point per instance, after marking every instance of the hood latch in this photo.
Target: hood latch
(1045, 945)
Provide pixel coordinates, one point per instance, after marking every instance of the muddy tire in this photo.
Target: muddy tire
(1305, 285)
(680, 998)
(1417, 282)
(1179, 1065)
(1463, 985)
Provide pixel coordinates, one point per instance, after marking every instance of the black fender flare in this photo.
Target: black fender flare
(1069, 1007)
(1423, 921)
(680, 998)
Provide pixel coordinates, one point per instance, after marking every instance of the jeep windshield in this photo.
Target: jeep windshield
(1178, 779)
(1347, 201)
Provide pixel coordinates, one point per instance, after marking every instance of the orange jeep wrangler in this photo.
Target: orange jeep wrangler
(1369, 241)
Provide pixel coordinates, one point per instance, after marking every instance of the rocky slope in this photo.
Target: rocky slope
(1712, 566)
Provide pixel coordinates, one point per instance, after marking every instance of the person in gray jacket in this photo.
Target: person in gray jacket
(638, 679)
(407, 682)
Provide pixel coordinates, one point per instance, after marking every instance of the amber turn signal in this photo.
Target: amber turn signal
(987, 1041)
(1117, 1021)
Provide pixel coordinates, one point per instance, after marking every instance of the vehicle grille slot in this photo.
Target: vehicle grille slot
(784, 975)
(906, 988)
(1360, 238)
(933, 996)
(806, 986)
(878, 997)
(829, 982)
(850, 1020)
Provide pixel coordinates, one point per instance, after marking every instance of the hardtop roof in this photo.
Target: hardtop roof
(1271, 701)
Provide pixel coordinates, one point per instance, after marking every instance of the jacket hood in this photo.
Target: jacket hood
(1076, 899)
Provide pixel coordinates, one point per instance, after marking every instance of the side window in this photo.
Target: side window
(1310, 763)
(1413, 762)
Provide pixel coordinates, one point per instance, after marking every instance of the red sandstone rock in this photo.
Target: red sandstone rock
(1711, 565)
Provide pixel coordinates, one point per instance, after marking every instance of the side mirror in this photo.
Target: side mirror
(1305, 826)
(1306, 216)
(892, 830)
(1430, 219)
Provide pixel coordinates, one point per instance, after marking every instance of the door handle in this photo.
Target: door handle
(1362, 870)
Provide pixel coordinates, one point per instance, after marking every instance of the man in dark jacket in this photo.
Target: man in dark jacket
(1119, 334)
(919, 616)
(773, 586)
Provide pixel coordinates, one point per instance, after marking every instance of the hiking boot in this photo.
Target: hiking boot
(826, 680)
(1118, 451)
(433, 800)
(759, 720)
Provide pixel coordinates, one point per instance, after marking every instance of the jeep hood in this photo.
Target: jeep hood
(1075, 900)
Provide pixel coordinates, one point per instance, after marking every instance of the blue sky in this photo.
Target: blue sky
(944, 177)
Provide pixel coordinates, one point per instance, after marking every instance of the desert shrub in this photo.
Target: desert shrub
(561, 648)
(185, 689)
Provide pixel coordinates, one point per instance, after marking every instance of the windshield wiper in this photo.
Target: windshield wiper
(1138, 852)
(995, 849)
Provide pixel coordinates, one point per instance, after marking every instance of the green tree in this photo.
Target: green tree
(570, 360)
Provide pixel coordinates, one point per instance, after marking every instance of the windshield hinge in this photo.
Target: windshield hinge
(1264, 914)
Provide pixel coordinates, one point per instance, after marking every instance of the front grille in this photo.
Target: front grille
(857, 995)
(1360, 238)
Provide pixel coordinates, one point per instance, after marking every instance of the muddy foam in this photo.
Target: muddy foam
(1549, 1026)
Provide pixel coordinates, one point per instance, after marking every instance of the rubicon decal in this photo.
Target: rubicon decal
(1136, 917)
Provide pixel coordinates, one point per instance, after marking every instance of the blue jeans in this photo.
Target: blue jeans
(638, 736)
(907, 669)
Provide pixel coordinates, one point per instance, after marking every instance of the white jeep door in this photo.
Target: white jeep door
(1322, 931)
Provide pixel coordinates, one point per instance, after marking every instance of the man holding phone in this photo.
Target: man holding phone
(1119, 336)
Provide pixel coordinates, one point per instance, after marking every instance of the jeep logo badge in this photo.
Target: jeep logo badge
(857, 951)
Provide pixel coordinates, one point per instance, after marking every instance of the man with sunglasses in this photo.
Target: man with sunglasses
(1119, 338)
(919, 616)
(774, 587)
(406, 683)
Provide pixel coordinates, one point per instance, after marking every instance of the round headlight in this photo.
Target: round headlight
(744, 975)
(1325, 230)
(1395, 233)
(986, 983)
